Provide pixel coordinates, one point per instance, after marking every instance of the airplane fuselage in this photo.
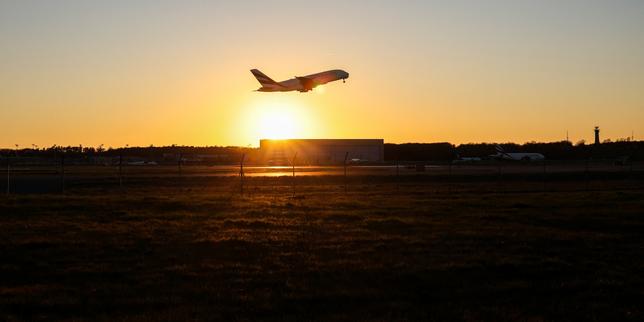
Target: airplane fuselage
(514, 156)
(520, 156)
(301, 84)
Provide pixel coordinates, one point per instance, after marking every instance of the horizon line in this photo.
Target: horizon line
(152, 146)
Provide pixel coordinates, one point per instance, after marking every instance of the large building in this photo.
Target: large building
(321, 151)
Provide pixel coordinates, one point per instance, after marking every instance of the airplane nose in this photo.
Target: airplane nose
(341, 74)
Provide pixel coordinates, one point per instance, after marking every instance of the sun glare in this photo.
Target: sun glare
(277, 125)
(278, 118)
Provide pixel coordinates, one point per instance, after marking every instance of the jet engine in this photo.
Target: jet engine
(307, 84)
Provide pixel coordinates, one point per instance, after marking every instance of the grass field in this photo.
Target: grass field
(195, 249)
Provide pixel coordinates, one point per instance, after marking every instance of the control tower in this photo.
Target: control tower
(596, 135)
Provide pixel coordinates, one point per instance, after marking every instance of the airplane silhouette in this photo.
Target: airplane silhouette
(301, 84)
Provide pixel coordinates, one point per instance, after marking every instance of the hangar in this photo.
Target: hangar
(321, 151)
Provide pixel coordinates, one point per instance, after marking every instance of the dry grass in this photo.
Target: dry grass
(419, 252)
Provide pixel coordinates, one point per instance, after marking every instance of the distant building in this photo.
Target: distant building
(596, 135)
(321, 151)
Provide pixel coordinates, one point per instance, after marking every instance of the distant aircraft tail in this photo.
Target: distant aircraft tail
(501, 152)
(262, 78)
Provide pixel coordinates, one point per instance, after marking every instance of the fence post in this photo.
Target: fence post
(397, 167)
(449, 176)
(293, 165)
(346, 156)
(544, 174)
(397, 173)
(121, 170)
(62, 173)
(179, 164)
(499, 175)
(8, 176)
(241, 174)
(587, 174)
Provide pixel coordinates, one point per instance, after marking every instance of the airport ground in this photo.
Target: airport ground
(502, 244)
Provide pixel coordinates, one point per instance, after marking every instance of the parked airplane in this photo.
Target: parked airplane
(301, 84)
(460, 159)
(501, 154)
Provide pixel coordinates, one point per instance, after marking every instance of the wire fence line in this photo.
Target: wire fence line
(56, 175)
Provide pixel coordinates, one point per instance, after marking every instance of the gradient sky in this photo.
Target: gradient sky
(177, 72)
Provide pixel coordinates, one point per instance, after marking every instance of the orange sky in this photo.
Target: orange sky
(78, 72)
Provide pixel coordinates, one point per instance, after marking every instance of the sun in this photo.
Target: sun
(278, 118)
(277, 125)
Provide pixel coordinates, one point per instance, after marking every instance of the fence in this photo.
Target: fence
(55, 175)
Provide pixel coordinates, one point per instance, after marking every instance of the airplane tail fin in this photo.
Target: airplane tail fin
(262, 78)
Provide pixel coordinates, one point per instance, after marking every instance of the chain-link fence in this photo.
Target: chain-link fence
(57, 175)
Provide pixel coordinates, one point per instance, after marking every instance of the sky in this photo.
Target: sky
(177, 72)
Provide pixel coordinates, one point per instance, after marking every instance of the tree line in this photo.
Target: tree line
(444, 151)
(563, 150)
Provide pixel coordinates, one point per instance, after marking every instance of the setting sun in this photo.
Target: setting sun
(278, 117)
(277, 125)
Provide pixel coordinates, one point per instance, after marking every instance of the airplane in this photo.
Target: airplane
(501, 154)
(301, 84)
(460, 159)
